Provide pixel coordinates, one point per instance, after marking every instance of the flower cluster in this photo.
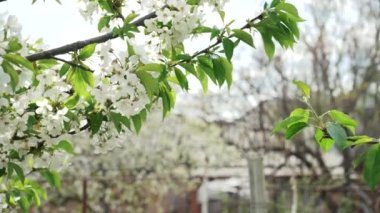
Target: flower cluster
(34, 114)
(175, 19)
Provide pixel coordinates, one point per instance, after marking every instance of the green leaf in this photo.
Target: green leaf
(65, 145)
(152, 67)
(244, 36)
(18, 60)
(150, 83)
(222, 14)
(130, 17)
(358, 140)
(137, 123)
(72, 101)
(192, 2)
(168, 99)
(205, 65)
(95, 120)
(372, 166)
(284, 124)
(103, 22)
(290, 24)
(19, 172)
(8, 68)
(304, 88)
(294, 129)
(184, 57)
(215, 32)
(79, 79)
(119, 120)
(44, 64)
(227, 66)
(203, 80)
(106, 5)
(52, 177)
(300, 112)
(318, 135)
(64, 69)
(189, 68)
(23, 202)
(228, 46)
(219, 71)
(87, 76)
(14, 45)
(36, 197)
(87, 51)
(326, 144)
(338, 134)
(274, 3)
(290, 9)
(268, 45)
(181, 79)
(342, 118)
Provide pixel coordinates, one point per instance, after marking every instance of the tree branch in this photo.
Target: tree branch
(80, 44)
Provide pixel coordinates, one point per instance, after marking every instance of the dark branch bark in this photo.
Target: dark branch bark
(80, 44)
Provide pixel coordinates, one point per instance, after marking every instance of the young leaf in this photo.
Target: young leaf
(205, 65)
(87, 51)
(228, 46)
(150, 83)
(244, 36)
(119, 120)
(72, 101)
(294, 129)
(304, 88)
(227, 66)
(18, 60)
(52, 177)
(95, 120)
(219, 71)
(136, 119)
(19, 172)
(326, 144)
(289, 8)
(8, 68)
(371, 166)
(65, 145)
(338, 134)
(87, 76)
(284, 124)
(64, 69)
(14, 45)
(79, 83)
(103, 22)
(181, 79)
(342, 118)
(152, 67)
(268, 45)
(203, 80)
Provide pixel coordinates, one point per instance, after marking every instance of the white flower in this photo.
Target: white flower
(43, 106)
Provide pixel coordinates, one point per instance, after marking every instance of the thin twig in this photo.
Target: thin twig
(73, 64)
